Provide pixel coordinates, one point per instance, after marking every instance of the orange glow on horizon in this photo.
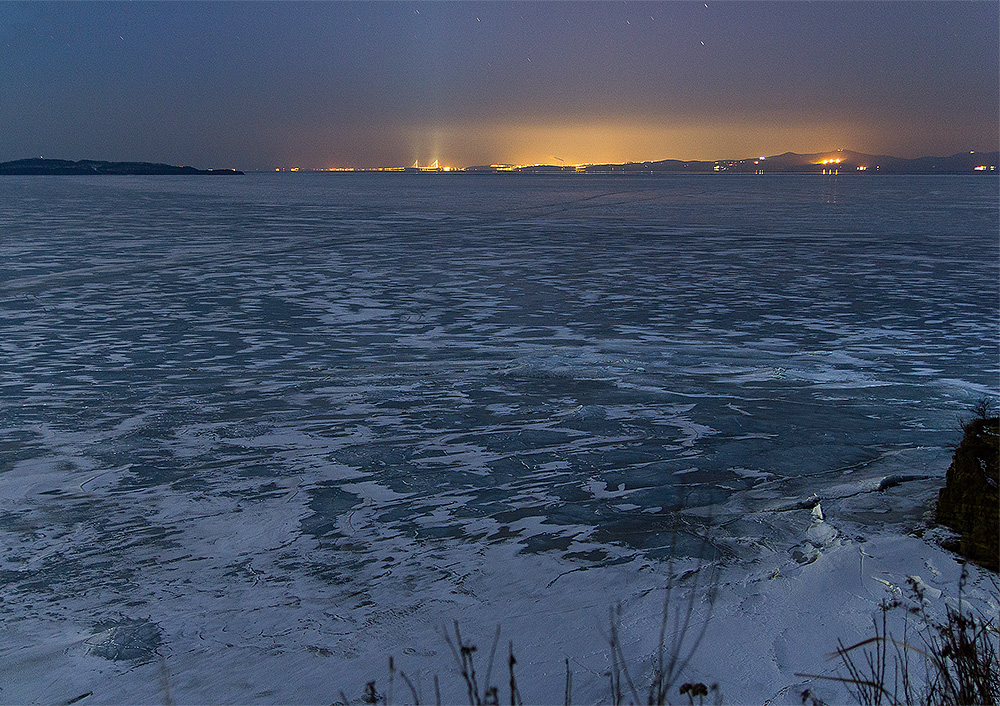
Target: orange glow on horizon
(573, 143)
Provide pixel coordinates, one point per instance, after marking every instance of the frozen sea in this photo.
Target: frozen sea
(259, 433)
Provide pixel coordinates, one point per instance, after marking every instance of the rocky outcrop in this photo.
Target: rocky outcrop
(969, 502)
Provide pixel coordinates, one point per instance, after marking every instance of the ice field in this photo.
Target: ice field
(259, 433)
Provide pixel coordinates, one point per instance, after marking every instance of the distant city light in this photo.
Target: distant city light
(831, 165)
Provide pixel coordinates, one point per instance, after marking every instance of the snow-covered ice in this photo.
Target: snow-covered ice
(259, 434)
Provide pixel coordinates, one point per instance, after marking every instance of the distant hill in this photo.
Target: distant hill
(838, 161)
(850, 161)
(86, 166)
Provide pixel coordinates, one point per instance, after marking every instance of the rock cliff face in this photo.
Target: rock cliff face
(969, 502)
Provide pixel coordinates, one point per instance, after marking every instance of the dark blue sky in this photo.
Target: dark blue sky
(259, 85)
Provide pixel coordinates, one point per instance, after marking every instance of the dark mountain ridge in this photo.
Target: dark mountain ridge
(836, 162)
(49, 167)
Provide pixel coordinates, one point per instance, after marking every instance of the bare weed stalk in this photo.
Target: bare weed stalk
(955, 664)
(680, 635)
(679, 638)
(487, 695)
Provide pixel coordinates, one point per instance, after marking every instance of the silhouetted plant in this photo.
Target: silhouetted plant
(956, 663)
(680, 635)
(464, 654)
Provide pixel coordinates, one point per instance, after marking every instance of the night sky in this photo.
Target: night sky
(261, 85)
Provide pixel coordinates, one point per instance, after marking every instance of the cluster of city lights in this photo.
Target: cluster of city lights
(832, 164)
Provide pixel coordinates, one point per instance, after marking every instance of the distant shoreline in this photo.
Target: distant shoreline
(63, 167)
(821, 163)
(835, 162)
(569, 174)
